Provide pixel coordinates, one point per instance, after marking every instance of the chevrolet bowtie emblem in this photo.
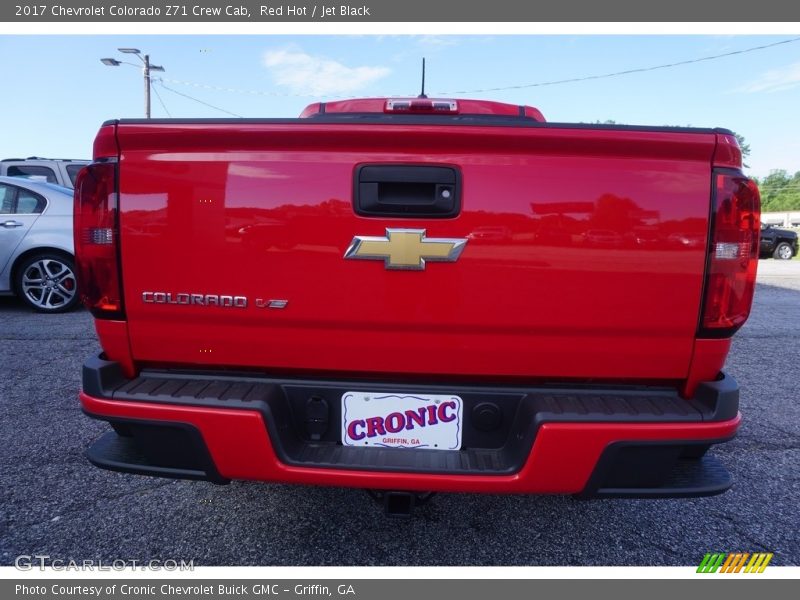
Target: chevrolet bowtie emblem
(405, 249)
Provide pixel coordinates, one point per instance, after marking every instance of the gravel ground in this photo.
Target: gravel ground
(53, 502)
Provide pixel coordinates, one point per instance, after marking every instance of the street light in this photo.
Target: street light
(147, 67)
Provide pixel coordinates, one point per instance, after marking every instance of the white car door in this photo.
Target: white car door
(19, 209)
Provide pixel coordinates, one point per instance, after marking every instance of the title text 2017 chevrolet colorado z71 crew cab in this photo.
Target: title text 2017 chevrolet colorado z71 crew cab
(415, 295)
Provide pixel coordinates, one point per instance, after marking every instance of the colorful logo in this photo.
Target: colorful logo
(735, 562)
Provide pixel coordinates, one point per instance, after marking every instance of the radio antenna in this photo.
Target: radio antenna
(422, 93)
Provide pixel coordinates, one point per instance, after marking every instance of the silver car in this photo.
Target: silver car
(37, 259)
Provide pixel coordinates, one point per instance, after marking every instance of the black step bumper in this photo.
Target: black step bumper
(305, 433)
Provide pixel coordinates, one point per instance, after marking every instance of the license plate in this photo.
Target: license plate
(385, 420)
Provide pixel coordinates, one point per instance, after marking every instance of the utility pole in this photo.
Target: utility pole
(146, 69)
(146, 86)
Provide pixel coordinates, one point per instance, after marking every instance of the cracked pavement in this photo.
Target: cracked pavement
(53, 502)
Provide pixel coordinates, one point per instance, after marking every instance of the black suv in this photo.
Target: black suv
(778, 243)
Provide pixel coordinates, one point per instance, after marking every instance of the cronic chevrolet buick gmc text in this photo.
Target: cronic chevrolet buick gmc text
(416, 295)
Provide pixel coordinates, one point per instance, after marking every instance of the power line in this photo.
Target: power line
(164, 106)
(219, 88)
(626, 72)
(198, 101)
(495, 89)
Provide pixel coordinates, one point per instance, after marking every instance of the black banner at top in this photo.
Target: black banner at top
(355, 11)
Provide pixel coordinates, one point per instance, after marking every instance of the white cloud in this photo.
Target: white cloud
(318, 75)
(774, 80)
(436, 41)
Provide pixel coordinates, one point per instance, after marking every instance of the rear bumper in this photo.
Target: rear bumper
(626, 441)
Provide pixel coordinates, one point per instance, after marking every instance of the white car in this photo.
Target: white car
(37, 259)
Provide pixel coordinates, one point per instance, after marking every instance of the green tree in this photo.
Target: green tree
(744, 146)
(780, 191)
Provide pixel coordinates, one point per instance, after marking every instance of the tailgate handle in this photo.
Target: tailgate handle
(407, 191)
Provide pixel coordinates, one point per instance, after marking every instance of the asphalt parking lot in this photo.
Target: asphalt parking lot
(53, 502)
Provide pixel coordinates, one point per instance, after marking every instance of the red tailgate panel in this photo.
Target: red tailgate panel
(584, 258)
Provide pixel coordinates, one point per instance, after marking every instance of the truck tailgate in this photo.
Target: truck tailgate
(584, 254)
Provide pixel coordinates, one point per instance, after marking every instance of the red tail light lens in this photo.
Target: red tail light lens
(96, 231)
(732, 254)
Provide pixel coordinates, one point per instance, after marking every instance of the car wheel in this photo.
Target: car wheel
(783, 251)
(46, 282)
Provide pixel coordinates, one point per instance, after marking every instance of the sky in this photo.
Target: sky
(56, 92)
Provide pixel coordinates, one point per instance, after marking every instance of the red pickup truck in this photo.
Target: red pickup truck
(416, 295)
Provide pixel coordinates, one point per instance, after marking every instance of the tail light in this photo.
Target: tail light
(96, 231)
(732, 254)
